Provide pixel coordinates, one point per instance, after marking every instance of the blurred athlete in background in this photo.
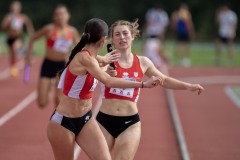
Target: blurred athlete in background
(13, 23)
(226, 21)
(60, 38)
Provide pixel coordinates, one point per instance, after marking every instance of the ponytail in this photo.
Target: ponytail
(95, 29)
(78, 48)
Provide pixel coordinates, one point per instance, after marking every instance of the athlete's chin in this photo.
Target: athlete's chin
(123, 47)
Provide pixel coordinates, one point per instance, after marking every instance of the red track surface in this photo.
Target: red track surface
(210, 121)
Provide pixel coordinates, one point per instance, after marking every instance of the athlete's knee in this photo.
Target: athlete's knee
(105, 156)
(42, 103)
(124, 157)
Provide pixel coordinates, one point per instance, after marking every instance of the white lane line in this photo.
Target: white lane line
(77, 149)
(177, 125)
(209, 80)
(18, 108)
(232, 95)
(6, 72)
(177, 122)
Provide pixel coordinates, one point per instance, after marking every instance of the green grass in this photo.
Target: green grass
(236, 90)
(201, 54)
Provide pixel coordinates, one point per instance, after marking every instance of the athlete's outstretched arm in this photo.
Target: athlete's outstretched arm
(6, 21)
(42, 32)
(29, 25)
(168, 82)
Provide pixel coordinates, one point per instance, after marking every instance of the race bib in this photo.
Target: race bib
(62, 45)
(128, 92)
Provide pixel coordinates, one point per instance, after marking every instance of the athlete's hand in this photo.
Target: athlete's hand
(152, 82)
(111, 71)
(110, 57)
(196, 87)
(28, 58)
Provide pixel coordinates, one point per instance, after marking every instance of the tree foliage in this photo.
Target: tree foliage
(40, 11)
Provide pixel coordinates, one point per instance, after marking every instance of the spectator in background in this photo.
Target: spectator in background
(226, 21)
(183, 25)
(13, 23)
(156, 23)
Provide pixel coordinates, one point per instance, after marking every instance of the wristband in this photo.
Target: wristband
(142, 84)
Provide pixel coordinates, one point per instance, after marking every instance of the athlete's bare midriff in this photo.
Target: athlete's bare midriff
(72, 107)
(14, 32)
(118, 107)
(55, 56)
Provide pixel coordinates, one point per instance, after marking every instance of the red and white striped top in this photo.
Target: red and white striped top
(77, 86)
(134, 73)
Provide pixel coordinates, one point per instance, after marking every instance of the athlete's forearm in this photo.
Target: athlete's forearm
(172, 83)
(113, 82)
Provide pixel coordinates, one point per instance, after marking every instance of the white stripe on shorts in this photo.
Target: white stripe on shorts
(57, 117)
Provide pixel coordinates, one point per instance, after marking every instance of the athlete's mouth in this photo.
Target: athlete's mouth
(123, 43)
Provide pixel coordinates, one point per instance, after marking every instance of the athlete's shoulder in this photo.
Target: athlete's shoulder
(142, 58)
(84, 55)
(144, 61)
(22, 15)
(73, 30)
(48, 26)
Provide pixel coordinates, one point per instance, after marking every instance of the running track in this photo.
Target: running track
(210, 122)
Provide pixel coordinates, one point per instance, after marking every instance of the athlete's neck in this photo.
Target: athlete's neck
(61, 26)
(125, 54)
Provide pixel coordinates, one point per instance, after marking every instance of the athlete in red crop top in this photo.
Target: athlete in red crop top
(60, 37)
(134, 73)
(77, 86)
(13, 24)
(60, 44)
(118, 116)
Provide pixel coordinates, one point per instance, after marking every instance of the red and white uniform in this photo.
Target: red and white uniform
(17, 22)
(59, 44)
(77, 86)
(134, 73)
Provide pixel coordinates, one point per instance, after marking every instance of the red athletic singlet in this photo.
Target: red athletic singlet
(134, 73)
(74, 86)
(17, 23)
(59, 44)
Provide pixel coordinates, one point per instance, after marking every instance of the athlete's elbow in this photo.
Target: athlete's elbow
(109, 82)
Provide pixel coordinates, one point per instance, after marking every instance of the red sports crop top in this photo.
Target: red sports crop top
(59, 44)
(134, 73)
(77, 86)
(17, 22)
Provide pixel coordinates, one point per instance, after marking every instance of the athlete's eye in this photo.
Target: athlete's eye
(116, 34)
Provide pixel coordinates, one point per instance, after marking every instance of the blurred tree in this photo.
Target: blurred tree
(203, 12)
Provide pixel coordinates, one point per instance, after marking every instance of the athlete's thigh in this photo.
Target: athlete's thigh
(109, 138)
(57, 91)
(126, 144)
(62, 141)
(44, 86)
(17, 44)
(92, 141)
